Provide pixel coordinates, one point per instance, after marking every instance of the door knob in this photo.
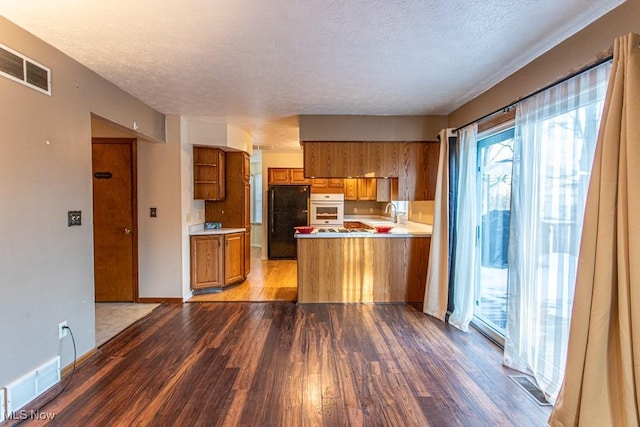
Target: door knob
(126, 231)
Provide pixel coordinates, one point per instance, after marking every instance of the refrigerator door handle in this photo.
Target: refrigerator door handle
(271, 221)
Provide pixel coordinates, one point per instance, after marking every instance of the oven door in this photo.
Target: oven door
(326, 212)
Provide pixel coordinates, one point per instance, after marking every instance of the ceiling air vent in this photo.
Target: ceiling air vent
(263, 147)
(19, 68)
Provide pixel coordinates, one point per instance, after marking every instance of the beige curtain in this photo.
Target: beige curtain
(437, 289)
(602, 377)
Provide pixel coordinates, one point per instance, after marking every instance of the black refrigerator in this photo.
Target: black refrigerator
(288, 208)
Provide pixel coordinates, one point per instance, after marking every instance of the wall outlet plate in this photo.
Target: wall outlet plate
(62, 331)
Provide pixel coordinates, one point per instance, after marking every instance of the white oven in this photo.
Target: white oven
(326, 209)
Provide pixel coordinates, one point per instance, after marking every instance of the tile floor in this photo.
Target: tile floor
(114, 317)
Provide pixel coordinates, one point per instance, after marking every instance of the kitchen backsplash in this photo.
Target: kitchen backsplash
(421, 211)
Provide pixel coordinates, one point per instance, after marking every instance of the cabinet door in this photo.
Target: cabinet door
(279, 176)
(383, 189)
(367, 189)
(350, 189)
(297, 176)
(246, 201)
(247, 251)
(233, 258)
(246, 167)
(336, 182)
(206, 261)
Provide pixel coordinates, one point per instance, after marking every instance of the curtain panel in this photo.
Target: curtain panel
(555, 138)
(437, 286)
(465, 257)
(602, 380)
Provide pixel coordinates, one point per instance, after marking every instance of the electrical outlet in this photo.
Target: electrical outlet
(62, 331)
(74, 218)
(153, 212)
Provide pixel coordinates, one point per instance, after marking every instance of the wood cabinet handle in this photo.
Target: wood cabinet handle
(126, 231)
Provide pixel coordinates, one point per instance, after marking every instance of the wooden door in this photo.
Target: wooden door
(114, 220)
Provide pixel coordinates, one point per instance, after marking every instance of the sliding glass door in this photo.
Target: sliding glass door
(495, 158)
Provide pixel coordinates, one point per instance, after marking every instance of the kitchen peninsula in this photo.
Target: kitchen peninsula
(343, 265)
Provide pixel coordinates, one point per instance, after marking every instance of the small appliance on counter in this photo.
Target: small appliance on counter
(212, 225)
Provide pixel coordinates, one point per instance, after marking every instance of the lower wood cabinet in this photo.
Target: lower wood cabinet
(233, 258)
(217, 260)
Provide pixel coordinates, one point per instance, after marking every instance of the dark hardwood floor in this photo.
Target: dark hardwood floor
(282, 364)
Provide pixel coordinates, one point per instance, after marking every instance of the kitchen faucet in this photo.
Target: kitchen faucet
(395, 211)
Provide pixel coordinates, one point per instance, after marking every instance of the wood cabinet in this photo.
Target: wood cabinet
(360, 189)
(386, 189)
(381, 269)
(415, 164)
(286, 176)
(217, 260)
(327, 185)
(233, 258)
(207, 261)
(297, 176)
(208, 173)
(235, 210)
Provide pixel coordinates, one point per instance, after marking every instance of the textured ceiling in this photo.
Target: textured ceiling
(257, 64)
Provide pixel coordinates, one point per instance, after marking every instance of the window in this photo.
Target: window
(256, 198)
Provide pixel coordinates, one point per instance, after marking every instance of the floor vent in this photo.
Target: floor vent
(19, 68)
(31, 385)
(529, 385)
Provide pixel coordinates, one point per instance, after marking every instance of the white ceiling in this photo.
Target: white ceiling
(257, 64)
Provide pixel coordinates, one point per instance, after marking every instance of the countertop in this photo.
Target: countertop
(198, 230)
(400, 229)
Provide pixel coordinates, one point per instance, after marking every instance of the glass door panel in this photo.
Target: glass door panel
(495, 158)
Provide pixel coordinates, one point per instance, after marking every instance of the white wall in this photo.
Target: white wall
(160, 238)
(46, 267)
(192, 210)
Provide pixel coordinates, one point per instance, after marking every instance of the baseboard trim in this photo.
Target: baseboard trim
(67, 369)
(161, 300)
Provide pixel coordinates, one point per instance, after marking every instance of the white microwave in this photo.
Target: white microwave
(326, 209)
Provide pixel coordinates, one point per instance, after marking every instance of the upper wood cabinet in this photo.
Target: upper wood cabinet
(360, 189)
(286, 176)
(238, 166)
(415, 164)
(297, 176)
(326, 185)
(279, 176)
(386, 189)
(208, 173)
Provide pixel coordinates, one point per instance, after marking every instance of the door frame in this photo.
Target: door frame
(132, 142)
